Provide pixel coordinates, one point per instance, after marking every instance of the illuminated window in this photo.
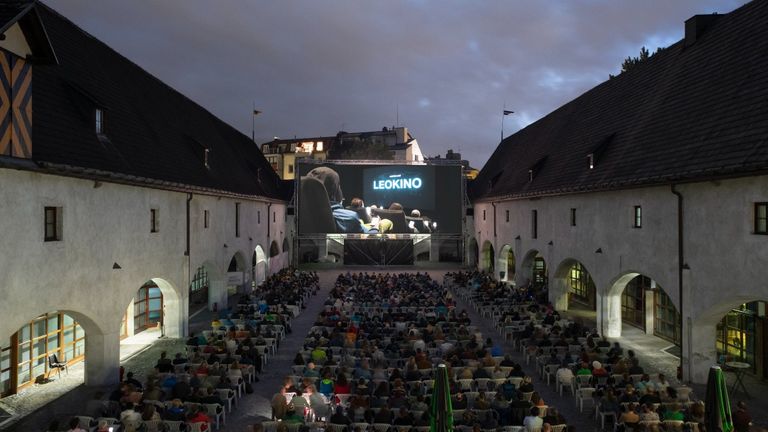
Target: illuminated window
(736, 333)
(319, 146)
(638, 220)
(666, 319)
(199, 281)
(48, 334)
(633, 301)
(761, 218)
(581, 286)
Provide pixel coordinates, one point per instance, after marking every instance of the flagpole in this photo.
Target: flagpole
(502, 121)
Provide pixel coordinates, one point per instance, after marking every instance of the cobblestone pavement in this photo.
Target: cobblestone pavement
(69, 395)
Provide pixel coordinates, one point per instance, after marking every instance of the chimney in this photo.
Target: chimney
(697, 25)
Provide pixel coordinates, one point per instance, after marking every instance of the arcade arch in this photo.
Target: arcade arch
(636, 299)
(156, 307)
(506, 263)
(732, 330)
(26, 355)
(472, 253)
(274, 249)
(259, 265)
(533, 269)
(487, 257)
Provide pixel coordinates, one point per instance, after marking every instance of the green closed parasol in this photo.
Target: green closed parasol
(441, 419)
(717, 407)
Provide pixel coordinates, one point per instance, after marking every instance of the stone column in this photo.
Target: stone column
(102, 359)
(217, 294)
(703, 352)
(650, 297)
(609, 309)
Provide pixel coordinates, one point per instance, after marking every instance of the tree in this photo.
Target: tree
(631, 62)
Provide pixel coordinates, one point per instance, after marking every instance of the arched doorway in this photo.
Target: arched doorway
(236, 275)
(637, 300)
(274, 249)
(472, 253)
(259, 265)
(286, 252)
(506, 264)
(155, 310)
(734, 329)
(24, 357)
(199, 288)
(741, 337)
(487, 257)
(534, 270)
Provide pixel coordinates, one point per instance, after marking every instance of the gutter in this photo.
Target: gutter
(126, 179)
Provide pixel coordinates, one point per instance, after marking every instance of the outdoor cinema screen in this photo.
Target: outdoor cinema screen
(399, 199)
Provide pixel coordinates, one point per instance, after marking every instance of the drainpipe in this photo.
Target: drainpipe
(680, 264)
(494, 220)
(188, 254)
(269, 235)
(189, 199)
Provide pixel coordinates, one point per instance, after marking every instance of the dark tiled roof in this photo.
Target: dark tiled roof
(151, 130)
(11, 11)
(687, 113)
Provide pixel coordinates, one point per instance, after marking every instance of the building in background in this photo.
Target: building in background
(452, 157)
(387, 144)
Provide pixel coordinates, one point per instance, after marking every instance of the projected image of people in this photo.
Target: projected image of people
(382, 199)
(346, 220)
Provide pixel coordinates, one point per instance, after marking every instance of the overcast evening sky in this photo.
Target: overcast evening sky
(315, 67)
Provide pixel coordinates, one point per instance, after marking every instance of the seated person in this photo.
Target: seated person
(358, 206)
(347, 221)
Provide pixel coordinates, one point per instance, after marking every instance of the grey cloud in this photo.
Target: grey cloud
(314, 67)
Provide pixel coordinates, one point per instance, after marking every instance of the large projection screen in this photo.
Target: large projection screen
(339, 198)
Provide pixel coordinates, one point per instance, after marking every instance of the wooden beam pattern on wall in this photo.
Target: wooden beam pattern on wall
(15, 106)
(5, 103)
(21, 88)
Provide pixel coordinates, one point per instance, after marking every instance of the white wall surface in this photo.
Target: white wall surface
(102, 226)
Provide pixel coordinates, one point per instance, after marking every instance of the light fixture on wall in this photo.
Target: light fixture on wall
(686, 266)
(225, 245)
(599, 250)
(250, 239)
(116, 266)
(518, 237)
(550, 243)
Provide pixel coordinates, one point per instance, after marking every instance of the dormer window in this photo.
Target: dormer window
(99, 121)
(206, 153)
(530, 175)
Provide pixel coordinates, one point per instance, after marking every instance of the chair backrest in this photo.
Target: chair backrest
(397, 217)
(173, 426)
(153, 425)
(315, 214)
(199, 427)
(269, 426)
